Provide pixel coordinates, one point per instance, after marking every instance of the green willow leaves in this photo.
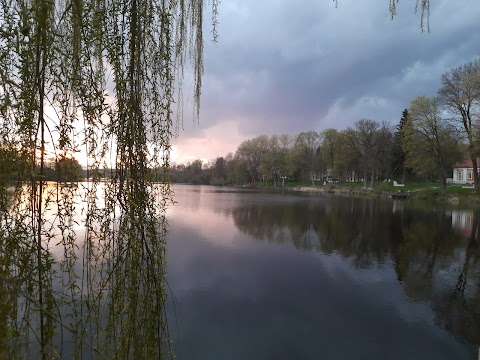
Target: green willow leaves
(98, 78)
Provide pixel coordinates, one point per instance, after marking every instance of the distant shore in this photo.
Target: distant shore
(428, 194)
(399, 194)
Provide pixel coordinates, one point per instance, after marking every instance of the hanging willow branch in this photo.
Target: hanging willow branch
(100, 77)
(422, 5)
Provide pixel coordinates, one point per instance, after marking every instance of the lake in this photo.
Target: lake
(251, 275)
(257, 275)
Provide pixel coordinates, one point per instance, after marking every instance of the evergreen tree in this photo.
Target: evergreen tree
(398, 155)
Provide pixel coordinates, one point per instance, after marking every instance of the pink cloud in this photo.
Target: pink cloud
(215, 141)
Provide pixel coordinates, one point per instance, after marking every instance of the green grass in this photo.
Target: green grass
(457, 189)
(290, 183)
(412, 186)
(349, 185)
(388, 186)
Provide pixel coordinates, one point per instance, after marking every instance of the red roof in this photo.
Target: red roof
(466, 164)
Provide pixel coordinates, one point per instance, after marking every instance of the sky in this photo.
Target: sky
(283, 67)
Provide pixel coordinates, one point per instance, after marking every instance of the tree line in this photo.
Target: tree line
(363, 152)
(432, 134)
(14, 166)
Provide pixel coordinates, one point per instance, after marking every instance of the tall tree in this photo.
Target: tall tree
(430, 143)
(347, 165)
(252, 152)
(219, 171)
(330, 148)
(275, 159)
(398, 155)
(383, 154)
(237, 172)
(305, 154)
(460, 96)
(285, 147)
(365, 142)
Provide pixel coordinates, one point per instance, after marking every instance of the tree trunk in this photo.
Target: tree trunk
(443, 183)
(476, 184)
(365, 174)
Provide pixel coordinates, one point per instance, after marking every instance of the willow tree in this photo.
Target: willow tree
(101, 77)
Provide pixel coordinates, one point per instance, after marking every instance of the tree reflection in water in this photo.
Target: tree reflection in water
(435, 255)
(99, 292)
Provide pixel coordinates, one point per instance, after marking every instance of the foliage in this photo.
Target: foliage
(430, 144)
(101, 76)
(369, 142)
(275, 164)
(13, 164)
(330, 147)
(252, 153)
(422, 5)
(305, 161)
(399, 168)
(68, 169)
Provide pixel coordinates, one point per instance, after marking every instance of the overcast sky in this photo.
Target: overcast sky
(283, 66)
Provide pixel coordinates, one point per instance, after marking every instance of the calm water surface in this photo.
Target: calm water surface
(293, 276)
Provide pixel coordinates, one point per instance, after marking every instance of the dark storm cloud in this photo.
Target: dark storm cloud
(285, 67)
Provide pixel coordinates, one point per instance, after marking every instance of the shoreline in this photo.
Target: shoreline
(400, 194)
(430, 195)
(333, 189)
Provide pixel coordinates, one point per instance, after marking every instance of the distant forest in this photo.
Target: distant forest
(370, 150)
(65, 169)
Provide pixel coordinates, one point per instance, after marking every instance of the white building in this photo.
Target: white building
(463, 172)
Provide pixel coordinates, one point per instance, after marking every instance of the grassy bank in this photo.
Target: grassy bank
(415, 190)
